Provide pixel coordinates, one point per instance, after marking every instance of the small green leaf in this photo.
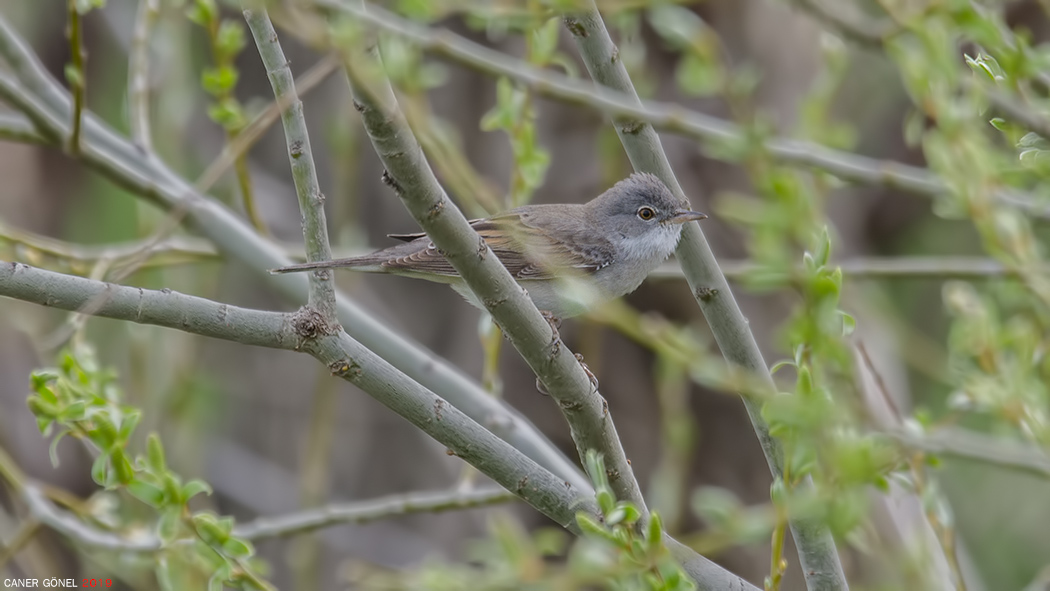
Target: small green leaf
(123, 471)
(155, 454)
(220, 80)
(98, 469)
(193, 488)
(591, 526)
(615, 517)
(128, 424)
(849, 324)
(238, 548)
(168, 524)
(654, 533)
(52, 450)
(146, 492)
(230, 40)
(203, 12)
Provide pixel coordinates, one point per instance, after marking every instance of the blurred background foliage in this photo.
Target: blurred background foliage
(898, 317)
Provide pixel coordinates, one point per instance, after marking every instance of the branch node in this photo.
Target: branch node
(389, 180)
(296, 149)
(483, 248)
(345, 368)
(359, 106)
(436, 209)
(575, 27)
(632, 127)
(615, 55)
(439, 405)
(706, 294)
(309, 324)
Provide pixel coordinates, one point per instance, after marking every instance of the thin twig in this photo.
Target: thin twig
(304, 174)
(816, 547)
(368, 511)
(77, 73)
(238, 145)
(971, 445)
(138, 74)
(25, 534)
(631, 112)
(868, 34)
(16, 128)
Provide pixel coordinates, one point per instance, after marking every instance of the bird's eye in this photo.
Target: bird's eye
(646, 213)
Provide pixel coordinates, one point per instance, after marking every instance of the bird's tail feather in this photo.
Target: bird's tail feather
(334, 263)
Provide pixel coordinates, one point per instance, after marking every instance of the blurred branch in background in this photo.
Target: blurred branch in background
(722, 134)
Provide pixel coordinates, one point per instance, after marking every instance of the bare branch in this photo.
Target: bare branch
(368, 511)
(138, 73)
(300, 155)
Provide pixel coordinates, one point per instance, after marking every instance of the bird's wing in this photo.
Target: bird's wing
(527, 251)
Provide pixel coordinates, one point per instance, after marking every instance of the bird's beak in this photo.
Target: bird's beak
(681, 217)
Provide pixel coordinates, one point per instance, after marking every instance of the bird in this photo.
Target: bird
(568, 256)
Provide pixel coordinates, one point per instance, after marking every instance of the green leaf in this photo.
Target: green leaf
(128, 423)
(230, 40)
(220, 80)
(238, 548)
(98, 469)
(203, 12)
(168, 524)
(123, 471)
(146, 492)
(591, 526)
(545, 42)
(654, 533)
(615, 517)
(698, 76)
(193, 488)
(849, 324)
(155, 454)
(52, 450)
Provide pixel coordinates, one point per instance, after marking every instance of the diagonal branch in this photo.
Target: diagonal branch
(47, 105)
(624, 105)
(817, 554)
(411, 177)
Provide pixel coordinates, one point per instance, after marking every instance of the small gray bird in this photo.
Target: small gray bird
(568, 256)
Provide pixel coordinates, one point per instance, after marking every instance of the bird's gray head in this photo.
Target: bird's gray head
(642, 217)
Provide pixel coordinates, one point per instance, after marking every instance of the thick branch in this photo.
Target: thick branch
(304, 173)
(817, 554)
(44, 102)
(146, 306)
(345, 357)
(625, 106)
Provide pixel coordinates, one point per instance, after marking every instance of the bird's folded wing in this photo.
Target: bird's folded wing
(528, 252)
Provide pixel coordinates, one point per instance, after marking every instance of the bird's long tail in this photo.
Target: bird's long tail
(334, 263)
